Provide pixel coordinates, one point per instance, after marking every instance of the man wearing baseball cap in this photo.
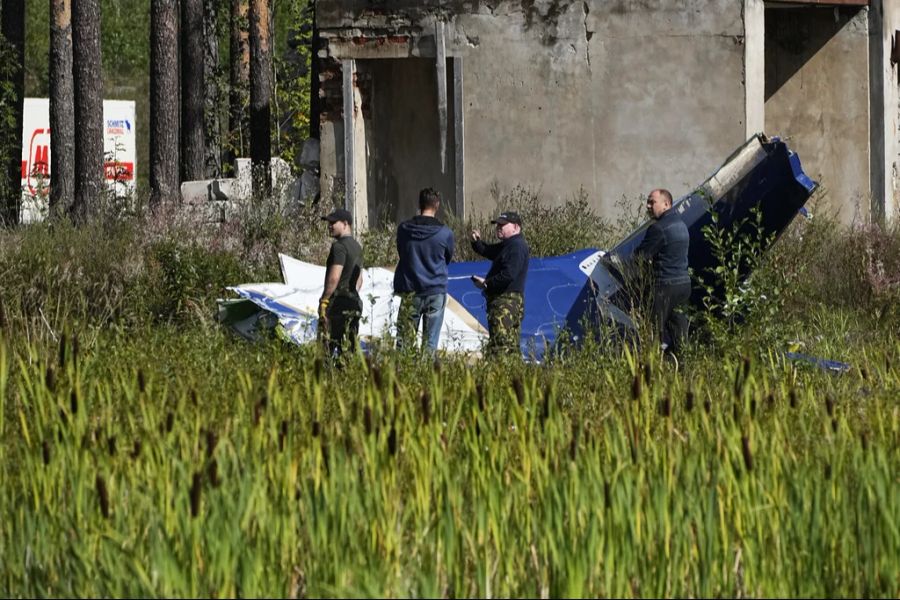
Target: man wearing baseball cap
(340, 306)
(504, 285)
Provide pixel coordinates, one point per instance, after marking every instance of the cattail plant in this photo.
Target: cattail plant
(745, 451)
(519, 389)
(689, 400)
(196, 489)
(282, 434)
(425, 400)
(102, 495)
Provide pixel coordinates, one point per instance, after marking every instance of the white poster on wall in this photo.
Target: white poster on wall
(119, 148)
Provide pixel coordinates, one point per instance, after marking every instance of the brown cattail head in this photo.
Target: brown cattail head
(607, 495)
(689, 400)
(367, 419)
(752, 408)
(829, 405)
(519, 388)
(282, 435)
(136, 450)
(377, 379)
(212, 473)
(102, 496)
(318, 367)
(738, 380)
(436, 365)
(745, 450)
(392, 441)
(170, 421)
(665, 406)
(573, 445)
(648, 372)
(50, 378)
(61, 358)
(75, 349)
(141, 381)
(193, 396)
(425, 400)
(45, 451)
(196, 489)
(746, 364)
(258, 409)
(316, 428)
(479, 393)
(707, 406)
(864, 441)
(636, 387)
(111, 445)
(792, 396)
(212, 440)
(73, 401)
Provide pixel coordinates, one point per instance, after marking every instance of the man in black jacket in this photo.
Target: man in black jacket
(504, 285)
(665, 244)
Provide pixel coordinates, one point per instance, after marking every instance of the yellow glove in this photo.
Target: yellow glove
(323, 307)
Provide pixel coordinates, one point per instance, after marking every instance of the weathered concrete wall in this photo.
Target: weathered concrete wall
(613, 97)
(817, 96)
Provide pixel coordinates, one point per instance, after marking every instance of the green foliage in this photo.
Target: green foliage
(186, 279)
(732, 294)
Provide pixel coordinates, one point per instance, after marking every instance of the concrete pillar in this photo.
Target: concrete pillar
(884, 21)
(459, 131)
(754, 67)
(878, 58)
(441, 77)
(356, 194)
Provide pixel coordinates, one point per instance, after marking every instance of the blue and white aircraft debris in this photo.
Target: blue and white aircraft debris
(563, 292)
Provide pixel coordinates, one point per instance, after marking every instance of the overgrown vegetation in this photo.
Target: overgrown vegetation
(146, 451)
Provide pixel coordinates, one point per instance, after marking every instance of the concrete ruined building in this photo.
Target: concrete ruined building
(608, 97)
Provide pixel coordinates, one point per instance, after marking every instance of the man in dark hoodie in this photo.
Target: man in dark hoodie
(504, 285)
(425, 246)
(665, 244)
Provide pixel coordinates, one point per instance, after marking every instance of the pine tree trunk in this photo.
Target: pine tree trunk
(163, 101)
(260, 97)
(13, 27)
(211, 75)
(62, 109)
(86, 71)
(193, 148)
(239, 81)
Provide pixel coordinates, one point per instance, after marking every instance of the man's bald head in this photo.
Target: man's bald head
(658, 202)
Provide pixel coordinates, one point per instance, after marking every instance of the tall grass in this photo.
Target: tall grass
(144, 451)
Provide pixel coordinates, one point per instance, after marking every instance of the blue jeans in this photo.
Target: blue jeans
(429, 310)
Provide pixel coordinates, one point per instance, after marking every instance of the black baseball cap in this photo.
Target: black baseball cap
(340, 214)
(508, 217)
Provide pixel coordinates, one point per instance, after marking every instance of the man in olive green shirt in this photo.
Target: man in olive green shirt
(340, 306)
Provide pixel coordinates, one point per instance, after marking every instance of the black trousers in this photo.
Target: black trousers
(670, 322)
(343, 325)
